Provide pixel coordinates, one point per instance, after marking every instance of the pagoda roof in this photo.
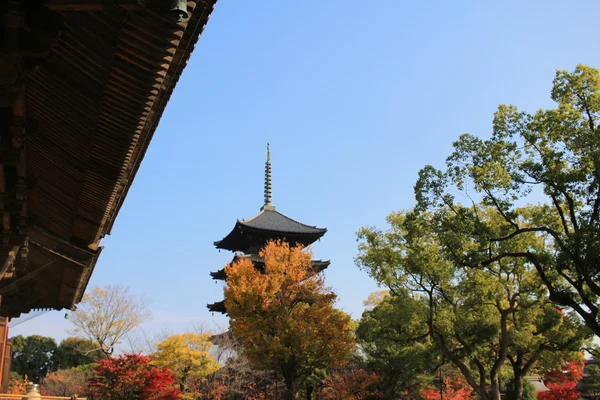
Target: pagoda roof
(218, 306)
(272, 223)
(272, 220)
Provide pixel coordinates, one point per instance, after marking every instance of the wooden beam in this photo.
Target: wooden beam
(9, 260)
(53, 243)
(27, 277)
(92, 5)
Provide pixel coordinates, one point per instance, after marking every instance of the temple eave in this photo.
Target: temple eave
(317, 266)
(218, 306)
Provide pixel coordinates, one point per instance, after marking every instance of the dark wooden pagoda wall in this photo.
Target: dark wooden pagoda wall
(83, 86)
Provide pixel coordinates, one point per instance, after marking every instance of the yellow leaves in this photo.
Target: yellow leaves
(285, 313)
(187, 355)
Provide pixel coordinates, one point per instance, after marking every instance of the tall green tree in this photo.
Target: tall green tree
(74, 352)
(553, 155)
(478, 316)
(33, 356)
(393, 335)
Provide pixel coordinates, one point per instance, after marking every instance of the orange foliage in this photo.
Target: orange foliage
(17, 386)
(355, 384)
(453, 389)
(284, 316)
(67, 382)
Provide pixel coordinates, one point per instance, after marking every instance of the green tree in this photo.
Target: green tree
(479, 315)
(33, 356)
(188, 356)
(74, 352)
(528, 392)
(554, 155)
(394, 337)
(284, 317)
(591, 382)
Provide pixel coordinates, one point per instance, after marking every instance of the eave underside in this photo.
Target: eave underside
(87, 84)
(317, 266)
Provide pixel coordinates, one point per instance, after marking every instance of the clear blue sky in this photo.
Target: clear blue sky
(355, 97)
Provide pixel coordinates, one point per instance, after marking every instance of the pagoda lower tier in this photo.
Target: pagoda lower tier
(317, 265)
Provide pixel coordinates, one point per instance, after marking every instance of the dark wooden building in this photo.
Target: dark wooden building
(249, 236)
(83, 84)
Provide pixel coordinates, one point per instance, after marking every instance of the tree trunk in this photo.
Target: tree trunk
(494, 387)
(291, 391)
(518, 388)
(309, 391)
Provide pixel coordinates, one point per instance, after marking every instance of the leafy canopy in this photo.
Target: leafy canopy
(552, 155)
(284, 316)
(187, 355)
(33, 356)
(133, 377)
(479, 314)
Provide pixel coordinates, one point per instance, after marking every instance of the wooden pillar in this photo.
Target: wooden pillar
(5, 354)
(6, 365)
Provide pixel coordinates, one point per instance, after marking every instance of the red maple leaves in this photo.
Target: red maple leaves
(130, 377)
(453, 389)
(562, 383)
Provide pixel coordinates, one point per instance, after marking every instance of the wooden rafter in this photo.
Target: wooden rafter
(91, 5)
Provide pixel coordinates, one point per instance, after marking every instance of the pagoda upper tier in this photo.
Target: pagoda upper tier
(248, 237)
(251, 235)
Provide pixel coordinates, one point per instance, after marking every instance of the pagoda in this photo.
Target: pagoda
(249, 236)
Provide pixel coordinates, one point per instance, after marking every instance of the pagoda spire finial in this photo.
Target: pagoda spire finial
(268, 205)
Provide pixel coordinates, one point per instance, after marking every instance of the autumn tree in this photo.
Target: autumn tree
(106, 315)
(453, 388)
(351, 384)
(133, 377)
(477, 315)
(188, 356)
(68, 382)
(33, 356)
(552, 155)
(284, 317)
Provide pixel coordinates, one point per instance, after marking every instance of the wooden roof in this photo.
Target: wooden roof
(84, 84)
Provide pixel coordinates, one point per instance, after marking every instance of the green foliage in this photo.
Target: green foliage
(33, 356)
(73, 352)
(393, 336)
(591, 382)
(479, 313)
(553, 153)
(529, 392)
(36, 356)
